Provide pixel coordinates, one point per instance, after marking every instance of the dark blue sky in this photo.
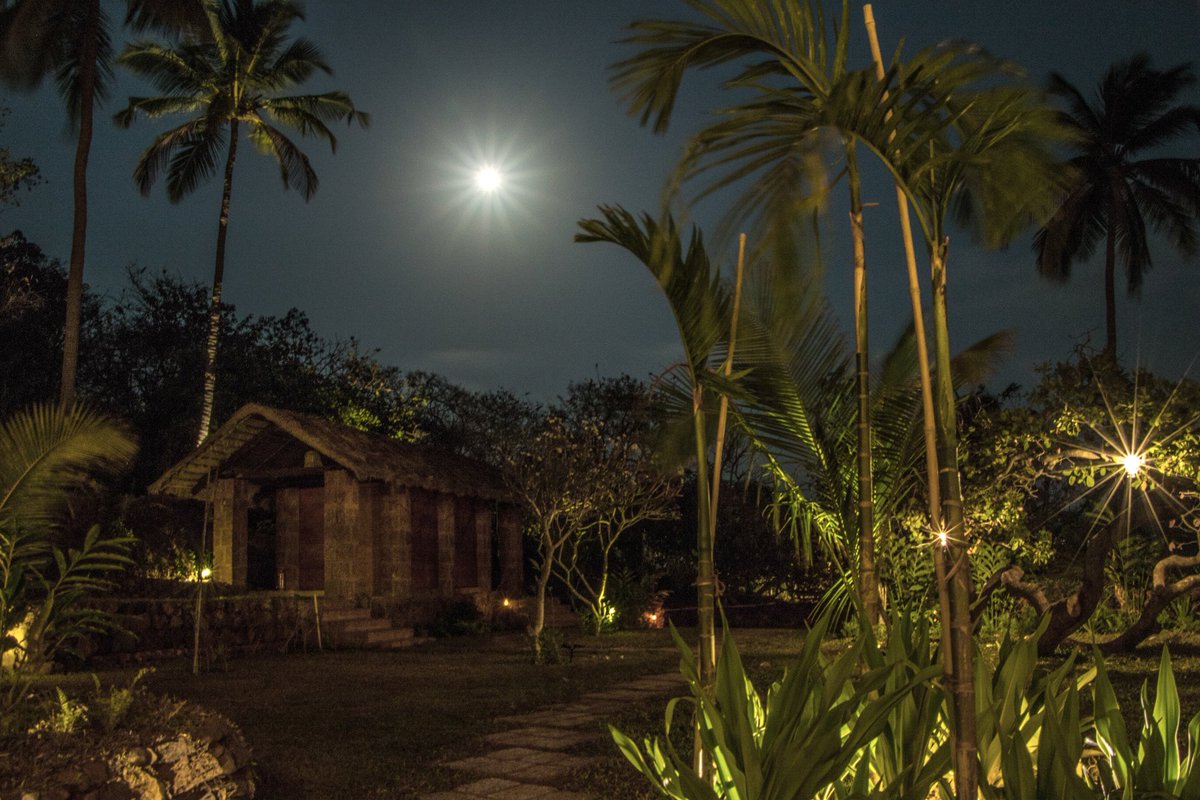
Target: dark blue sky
(397, 250)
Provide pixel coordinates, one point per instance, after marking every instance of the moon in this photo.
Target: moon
(488, 179)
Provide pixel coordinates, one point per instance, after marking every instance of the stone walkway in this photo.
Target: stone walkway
(530, 760)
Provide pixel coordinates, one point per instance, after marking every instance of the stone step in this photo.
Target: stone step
(368, 624)
(393, 637)
(355, 627)
(335, 615)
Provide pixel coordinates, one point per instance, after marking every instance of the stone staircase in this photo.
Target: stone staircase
(347, 626)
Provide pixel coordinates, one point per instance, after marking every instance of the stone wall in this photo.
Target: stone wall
(165, 627)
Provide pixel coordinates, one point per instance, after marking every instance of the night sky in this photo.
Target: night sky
(398, 250)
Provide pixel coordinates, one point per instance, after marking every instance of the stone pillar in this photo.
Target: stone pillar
(393, 553)
(344, 570)
(230, 505)
(366, 531)
(483, 543)
(512, 562)
(445, 529)
(287, 536)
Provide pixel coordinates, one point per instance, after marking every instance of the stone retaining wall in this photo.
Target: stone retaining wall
(239, 622)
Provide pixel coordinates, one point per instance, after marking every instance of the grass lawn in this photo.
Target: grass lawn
(378, 724)
(368, 724)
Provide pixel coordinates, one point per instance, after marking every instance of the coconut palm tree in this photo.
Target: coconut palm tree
(1121, 189)
(72, 40)
(235, 76)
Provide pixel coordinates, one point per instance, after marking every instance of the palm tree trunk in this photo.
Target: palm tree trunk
(927, 409)
(83, 146)
(214, 308)
(1110, 288)
(868, 578)
(966, 773)
(706, 656)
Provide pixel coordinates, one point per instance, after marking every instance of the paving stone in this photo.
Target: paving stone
(543, 773)
(487, 786)
(532, 763)
(526, 791)
(541, 737)
(615, 695)
(518, 754)
(485, 765)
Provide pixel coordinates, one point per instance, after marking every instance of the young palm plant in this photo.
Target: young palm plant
(47, 454)
(701, 304)
(237, 75)
(779, 43)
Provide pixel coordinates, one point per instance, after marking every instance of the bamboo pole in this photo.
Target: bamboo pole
(928, 415)
(954, 650)
(966, 773)
(727, 370)
(706, 581)
(868, 576)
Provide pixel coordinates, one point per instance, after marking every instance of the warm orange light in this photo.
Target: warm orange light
(506, 602)
(943, 537)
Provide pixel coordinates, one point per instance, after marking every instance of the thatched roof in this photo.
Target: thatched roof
(263, 441)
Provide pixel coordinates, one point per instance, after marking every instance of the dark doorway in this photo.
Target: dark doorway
(424, 541)
(260, 543)
(311, 547)
(466, 551)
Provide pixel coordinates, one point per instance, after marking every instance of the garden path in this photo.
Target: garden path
(530, 761)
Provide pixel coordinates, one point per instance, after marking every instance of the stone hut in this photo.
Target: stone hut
(303, 503)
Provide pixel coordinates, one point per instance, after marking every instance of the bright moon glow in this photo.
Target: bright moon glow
(487, 179)
(1133, 464)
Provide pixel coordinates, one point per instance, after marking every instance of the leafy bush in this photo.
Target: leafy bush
(65, 715)
(48, 455)
(814, 727)
(109, 709)
(457, 617)
(872, 723)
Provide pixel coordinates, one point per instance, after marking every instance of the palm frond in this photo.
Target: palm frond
(158, 156)
(193, 161)
(179, 70)
(792, 37)
(295, 65)
(294, 166)
(693, 288)
(47, 451)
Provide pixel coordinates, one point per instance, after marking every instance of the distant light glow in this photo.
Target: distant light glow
(488, 179)
(943, 537)
(205, 574)
(1133, 463)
